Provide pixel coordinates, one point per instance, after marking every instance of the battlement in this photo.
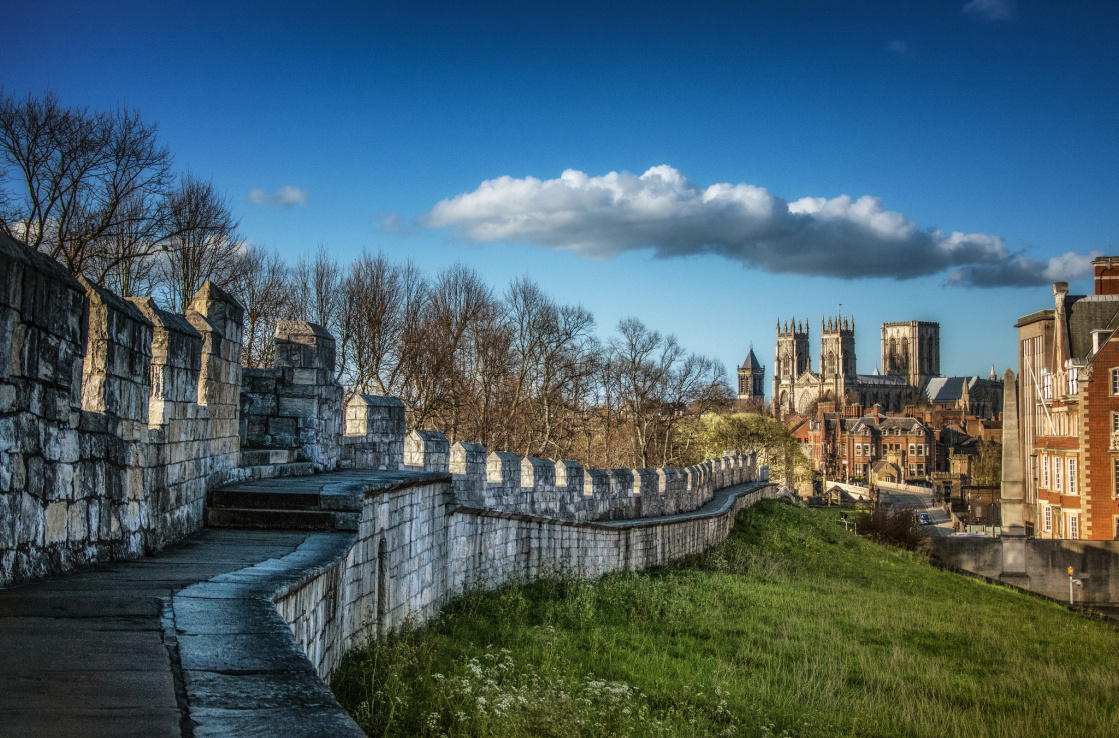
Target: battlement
(117, 417)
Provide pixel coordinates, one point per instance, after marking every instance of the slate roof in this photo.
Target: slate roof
(1087, 313)
(950, 389)
(751, 362)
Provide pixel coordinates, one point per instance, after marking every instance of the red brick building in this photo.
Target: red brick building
(1068, 389)
(845, 445)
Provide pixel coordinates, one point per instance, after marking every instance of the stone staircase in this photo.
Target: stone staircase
(272, 497)
(269, 463)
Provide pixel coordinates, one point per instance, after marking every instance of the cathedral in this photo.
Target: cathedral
(910, 356)
(909, 375)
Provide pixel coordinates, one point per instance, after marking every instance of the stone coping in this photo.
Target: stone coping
(722, 502)
(242, 669)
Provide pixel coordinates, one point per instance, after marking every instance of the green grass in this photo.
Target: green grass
(790, 627)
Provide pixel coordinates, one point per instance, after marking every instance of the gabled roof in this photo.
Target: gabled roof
(751, 362)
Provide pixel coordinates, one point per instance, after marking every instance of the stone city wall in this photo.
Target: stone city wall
(504, 482)
(416, 551)
(114, 416)
(117, 416)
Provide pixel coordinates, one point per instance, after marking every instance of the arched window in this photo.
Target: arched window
(892, 356)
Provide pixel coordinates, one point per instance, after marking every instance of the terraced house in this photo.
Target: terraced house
(1068, 377)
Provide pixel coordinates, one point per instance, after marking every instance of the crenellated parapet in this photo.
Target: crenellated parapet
(504, 482)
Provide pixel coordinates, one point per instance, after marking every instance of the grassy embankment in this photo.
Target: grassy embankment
(790, 627)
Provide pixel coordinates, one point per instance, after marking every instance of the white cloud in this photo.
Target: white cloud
(898, 47)
(990, 9)
(391, 222)
(285, 197)
(662, 210)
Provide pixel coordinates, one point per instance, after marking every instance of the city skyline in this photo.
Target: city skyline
(709, 171)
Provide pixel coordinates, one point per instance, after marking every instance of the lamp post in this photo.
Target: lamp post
(1071, 582)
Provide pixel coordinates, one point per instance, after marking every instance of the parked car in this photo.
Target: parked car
(924, 519)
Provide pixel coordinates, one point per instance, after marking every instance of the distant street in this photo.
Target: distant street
(921, 502)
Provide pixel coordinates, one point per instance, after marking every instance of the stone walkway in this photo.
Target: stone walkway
(187, 643)
(721, 501)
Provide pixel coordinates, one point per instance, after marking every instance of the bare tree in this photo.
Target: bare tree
(203, 243)
(82, 182)
(429, 372)
(375, 298)
(316, 289)
(126, 259)
(261, 284)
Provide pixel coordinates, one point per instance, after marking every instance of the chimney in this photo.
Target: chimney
(1107, 275)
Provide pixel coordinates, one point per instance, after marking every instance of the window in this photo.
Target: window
(1047, 525)
(858, 449)
(1115, 381)
(1074, 527)
(912, 450)
(1073, 380)
(1057, 464)
(1046, 384)
(1115, 422)
(1045, 472)
(1115, 478)
(1072, 476)
(920, 449)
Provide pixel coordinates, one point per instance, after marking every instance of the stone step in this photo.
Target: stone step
(258, 499)
(277, 471)
(241, 517)
(268, 456)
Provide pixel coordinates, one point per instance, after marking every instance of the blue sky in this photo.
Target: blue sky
(992, 119)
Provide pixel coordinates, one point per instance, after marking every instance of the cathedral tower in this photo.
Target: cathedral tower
(912, 350)
(837, 351)
(792, 361)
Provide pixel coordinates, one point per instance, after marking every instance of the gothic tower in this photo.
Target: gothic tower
(837, 353)
(911, 349)
(751, 376)
(792, 361)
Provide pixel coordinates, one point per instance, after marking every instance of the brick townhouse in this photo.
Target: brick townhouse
(1068, 389)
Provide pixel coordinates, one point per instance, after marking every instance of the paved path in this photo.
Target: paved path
(187, 643)
(923, 502)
